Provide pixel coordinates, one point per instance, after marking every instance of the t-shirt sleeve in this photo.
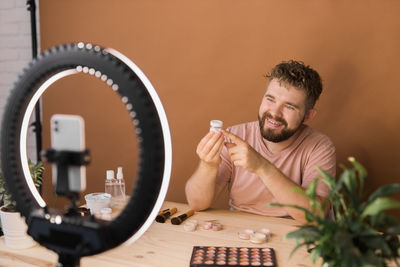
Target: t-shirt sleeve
(323, 155)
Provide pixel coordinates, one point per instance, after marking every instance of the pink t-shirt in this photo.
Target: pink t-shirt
(248, 193)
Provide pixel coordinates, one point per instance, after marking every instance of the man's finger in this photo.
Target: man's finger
(234, 138)
(238, 163)
(229, 145)
(216, 149)
(209, 140)
(205, 139)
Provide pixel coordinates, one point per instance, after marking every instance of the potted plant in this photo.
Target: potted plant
(12, 224)
(362, 234)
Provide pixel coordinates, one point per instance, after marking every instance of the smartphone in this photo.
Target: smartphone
(68, 134)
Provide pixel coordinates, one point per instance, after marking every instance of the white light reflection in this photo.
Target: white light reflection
(167, 142)
(24, 131)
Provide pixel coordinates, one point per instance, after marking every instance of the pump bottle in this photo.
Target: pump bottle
(120, 186)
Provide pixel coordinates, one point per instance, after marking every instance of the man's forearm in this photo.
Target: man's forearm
(282, 189)
(200, 188)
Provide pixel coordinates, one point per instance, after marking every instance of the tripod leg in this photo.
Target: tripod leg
(68, 260)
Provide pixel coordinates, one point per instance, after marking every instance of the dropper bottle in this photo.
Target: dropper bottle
(120, 186)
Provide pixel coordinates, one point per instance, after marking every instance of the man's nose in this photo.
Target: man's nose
(276, 110)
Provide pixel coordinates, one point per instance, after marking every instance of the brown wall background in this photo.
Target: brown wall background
(207, 59)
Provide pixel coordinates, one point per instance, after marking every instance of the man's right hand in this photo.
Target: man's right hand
(210, 147)
(200, 187)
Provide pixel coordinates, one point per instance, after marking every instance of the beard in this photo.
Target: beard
(283, 135)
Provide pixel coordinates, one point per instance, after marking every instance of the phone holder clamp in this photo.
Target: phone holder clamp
(63, 160)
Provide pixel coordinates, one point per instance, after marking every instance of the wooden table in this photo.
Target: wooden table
(165, 244)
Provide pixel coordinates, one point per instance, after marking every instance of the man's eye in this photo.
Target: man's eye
(289, 107)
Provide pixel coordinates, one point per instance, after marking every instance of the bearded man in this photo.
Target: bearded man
(265, 159)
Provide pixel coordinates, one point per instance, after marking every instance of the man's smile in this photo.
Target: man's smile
(273, 123)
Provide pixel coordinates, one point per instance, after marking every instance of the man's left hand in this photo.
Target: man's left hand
(242, 154)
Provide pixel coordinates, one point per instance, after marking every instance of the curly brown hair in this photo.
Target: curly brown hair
(296, 74)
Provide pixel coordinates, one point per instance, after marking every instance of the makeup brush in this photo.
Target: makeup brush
(179, 219)
(163, 216)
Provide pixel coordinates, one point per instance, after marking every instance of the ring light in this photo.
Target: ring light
(87, 237)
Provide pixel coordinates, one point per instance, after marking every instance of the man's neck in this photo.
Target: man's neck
(278, 147)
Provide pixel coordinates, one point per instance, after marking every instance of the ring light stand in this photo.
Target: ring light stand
(69, 235)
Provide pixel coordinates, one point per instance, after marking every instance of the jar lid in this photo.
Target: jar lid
(216, 123)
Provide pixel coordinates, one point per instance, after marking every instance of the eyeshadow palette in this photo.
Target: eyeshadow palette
(205, 256)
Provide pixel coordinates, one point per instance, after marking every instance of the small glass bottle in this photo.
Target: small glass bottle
(109, 186)
(216, 125)
(120, 186)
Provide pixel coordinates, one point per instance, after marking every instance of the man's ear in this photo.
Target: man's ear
(310, 114)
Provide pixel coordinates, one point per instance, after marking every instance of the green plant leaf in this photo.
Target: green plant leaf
(382, 221)
(311, 189)
(394, 230)
(36, 171)
(374, 241)
(362, 172)
(350, 180)
(298, 245)
(310, 194)
(299, 190)
(316, 253)
(327, 178)
(37, 176)
(306, 232)
(308, 215)
(393, 242)
(362, 234)
(370, 259)
(378, 205)
(385, 190)
(315, 204)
